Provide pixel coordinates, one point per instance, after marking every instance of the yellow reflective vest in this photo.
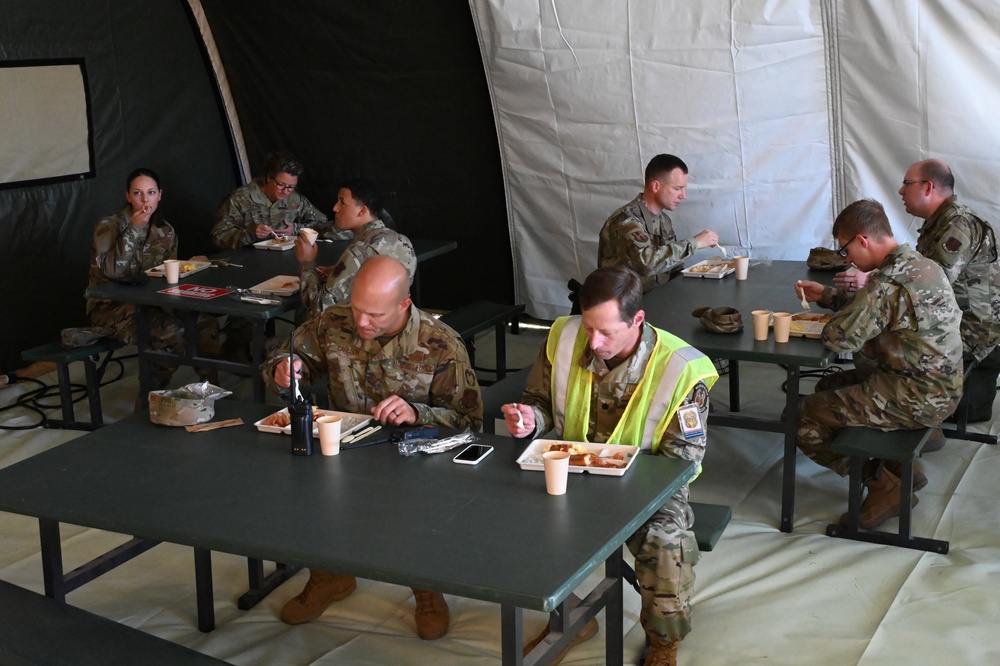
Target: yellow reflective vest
(673, 369)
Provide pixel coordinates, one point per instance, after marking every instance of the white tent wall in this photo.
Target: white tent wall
(755, 96)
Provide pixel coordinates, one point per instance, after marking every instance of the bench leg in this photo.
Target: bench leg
(203, 589)
(52, 564)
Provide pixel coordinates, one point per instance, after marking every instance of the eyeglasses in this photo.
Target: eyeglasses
(907, 183)
(842, 252)
(282, 186)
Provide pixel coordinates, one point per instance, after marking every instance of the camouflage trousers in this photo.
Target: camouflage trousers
(166, 332)
(666, 551)
(840, 401)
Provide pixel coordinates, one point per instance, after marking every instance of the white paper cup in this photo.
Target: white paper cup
(556, 471)
(742, 265)
(782, 325)
(309, 235)
(761, 321)
(172, 270)
(329, 434)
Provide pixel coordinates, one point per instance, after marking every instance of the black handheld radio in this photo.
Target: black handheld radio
(299, 410)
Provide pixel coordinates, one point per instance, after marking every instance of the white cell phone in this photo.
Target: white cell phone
(473, 454)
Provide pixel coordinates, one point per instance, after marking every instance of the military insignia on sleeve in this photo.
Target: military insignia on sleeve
(700, 397)
(640, 236)
(952, 244)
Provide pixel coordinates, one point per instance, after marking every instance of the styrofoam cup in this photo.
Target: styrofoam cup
(329, 434)
(556, 471)
(761, 322)
(782, 325)
(172, 270)
(742, 265)
(309, 235)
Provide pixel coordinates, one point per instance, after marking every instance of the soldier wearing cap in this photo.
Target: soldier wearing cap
(357, 211)
(593, 382)
(640, 234)
(384, 357)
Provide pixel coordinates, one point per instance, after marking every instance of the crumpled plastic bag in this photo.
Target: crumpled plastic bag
(411, 447)
(187, 405)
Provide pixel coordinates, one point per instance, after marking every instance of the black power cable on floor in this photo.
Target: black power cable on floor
(31, 400)
(818, 372)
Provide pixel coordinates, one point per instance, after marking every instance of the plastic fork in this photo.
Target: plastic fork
(802, 293)
(721, 249)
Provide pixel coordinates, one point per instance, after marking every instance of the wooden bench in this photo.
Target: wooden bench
(903, 445)
(37, 630)
(962, 413)
(476, 317)
(94, 368)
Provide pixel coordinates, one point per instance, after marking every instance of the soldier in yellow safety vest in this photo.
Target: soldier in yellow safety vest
(608, 377)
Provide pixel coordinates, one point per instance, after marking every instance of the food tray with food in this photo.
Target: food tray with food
(713, 269)
(281, 243)
(808, 324)
(185, 268)
(279, 424)
(279, 285)
(605, 459)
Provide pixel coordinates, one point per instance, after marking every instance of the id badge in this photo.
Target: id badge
(690, 421)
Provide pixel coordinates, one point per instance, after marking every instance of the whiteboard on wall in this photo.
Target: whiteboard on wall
(45, 116)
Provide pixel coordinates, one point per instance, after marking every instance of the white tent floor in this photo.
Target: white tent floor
(761, 595)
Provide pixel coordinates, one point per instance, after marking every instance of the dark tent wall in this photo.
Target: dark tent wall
(394, 91)
(391, 90)
(153, 104)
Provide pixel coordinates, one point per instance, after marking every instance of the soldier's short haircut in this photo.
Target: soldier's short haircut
(866, 217)
(366, 192)
(613, 283)
(283, 162)
(156, 219)
(661, 165)
(938, 173)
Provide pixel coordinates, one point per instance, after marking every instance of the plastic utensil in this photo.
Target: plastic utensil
(802, 293)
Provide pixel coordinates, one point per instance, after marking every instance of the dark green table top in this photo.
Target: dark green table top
(257, 266)
(767, 287)
(488, 532)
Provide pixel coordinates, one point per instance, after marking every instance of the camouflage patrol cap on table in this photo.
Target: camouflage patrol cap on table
(720, 320)
(822, 259)
(81, 337)
(187, 405)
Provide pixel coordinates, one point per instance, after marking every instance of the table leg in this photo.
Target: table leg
(52, 564)
(788, 469)
(734, 385)
(614, 611)
(257, 359)
(203, 589)
(512, 635)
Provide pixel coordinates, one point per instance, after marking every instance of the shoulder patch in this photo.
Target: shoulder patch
(639, 236)
(701, 397)
(952, 244)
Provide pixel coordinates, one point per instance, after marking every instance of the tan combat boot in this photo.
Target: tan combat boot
(661, 653)
(322, 589)
(882, 502)
(589, 631)
(919, 478)
(432, 616)
(935, 442)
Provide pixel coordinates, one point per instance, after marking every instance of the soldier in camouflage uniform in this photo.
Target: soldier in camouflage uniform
(126, 244)
(266, 205)
(904, 324)
(640, 235)
(384, 357)
(322, 287)
(964, 245)
(619, 351)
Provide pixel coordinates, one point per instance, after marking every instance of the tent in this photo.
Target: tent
(512, 127)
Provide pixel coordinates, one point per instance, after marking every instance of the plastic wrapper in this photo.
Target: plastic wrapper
(413, 446)
(187, 405)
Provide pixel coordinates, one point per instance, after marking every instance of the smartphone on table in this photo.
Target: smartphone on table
(473, 454)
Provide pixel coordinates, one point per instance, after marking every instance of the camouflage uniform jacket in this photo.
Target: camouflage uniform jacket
(644, 242)
(123, 251)
(374, 238)
(249, 206)
(905, 322)
(610, 393)
(426, 364)
(965, 247)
